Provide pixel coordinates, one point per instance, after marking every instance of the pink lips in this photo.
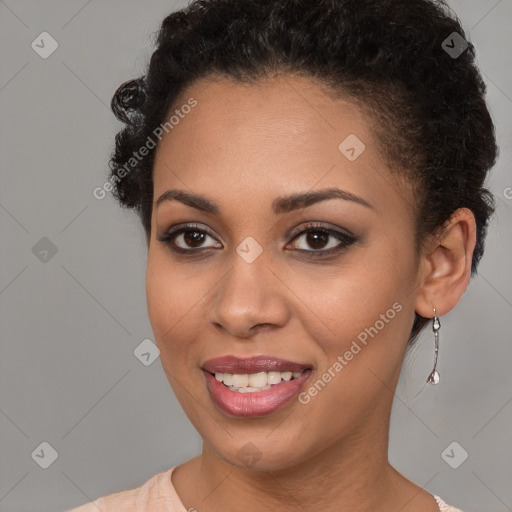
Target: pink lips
(256, 403)
(255, 364)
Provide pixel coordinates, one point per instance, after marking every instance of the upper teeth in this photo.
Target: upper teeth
(255, 380)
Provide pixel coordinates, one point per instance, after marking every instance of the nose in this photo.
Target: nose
(250, 299)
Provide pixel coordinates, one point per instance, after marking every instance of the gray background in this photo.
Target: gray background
(69, 325)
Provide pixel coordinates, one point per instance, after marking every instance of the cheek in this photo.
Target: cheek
(161, 300)
(366, 312)
(355, 298)
(176, 296)
(169, 296)
(365, 323)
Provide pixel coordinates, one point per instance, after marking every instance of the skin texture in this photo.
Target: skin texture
(242, 146)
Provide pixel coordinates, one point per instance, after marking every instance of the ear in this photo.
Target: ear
(445, 265)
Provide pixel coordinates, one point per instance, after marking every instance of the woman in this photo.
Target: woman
(310, 176)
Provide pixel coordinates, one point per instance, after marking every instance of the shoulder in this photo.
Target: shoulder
(444, 507)
(156, 494)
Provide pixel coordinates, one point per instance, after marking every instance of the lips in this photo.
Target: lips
(255, 364)
(254, 403)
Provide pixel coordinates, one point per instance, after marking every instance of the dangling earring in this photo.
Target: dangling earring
(433, 378)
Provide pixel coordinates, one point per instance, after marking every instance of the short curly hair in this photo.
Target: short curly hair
(426, 105)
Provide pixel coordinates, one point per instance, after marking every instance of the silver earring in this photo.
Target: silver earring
(433, 378)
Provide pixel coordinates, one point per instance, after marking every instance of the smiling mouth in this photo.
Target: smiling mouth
(255, 382)
(254, 386)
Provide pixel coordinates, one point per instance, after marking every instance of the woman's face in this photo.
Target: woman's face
(333, 306)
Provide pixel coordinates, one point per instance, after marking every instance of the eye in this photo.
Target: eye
(190, 238)
(317, 236)
(187, 239)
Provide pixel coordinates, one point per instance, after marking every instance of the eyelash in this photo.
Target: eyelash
(345, 239)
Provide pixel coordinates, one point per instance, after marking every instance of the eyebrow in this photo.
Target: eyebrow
(280, 205)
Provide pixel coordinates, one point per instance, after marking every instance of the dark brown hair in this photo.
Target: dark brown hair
(389, 56)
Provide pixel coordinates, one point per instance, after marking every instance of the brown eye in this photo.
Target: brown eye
(193, 238)
(187, 239)
(317, 239)
(321, 241)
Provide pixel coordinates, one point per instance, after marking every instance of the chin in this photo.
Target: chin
(260, 453)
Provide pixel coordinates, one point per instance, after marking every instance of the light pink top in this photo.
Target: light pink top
(158, 495)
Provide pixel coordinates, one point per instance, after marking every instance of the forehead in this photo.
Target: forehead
(277, 136)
